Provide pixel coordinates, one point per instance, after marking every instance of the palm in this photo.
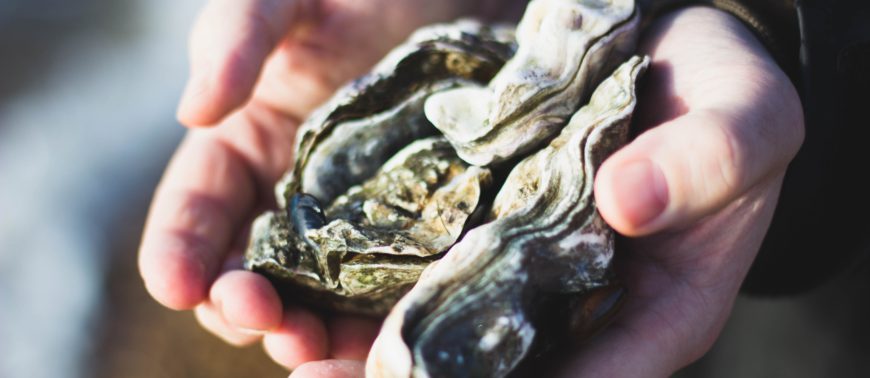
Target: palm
(681, 287)
(707, 91)
(258, 67)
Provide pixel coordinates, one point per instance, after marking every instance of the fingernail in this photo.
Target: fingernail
(219, 305)
(252, 332)
(642, 191)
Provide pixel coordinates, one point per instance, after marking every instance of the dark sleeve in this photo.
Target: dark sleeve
(821, 227)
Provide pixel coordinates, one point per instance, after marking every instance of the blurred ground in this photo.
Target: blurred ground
(139, 338)
(35, 33)
(87, 96)
(820, 334)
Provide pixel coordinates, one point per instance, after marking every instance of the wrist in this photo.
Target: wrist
(774, 24)
(711, 48)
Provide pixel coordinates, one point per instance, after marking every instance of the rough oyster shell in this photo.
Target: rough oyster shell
(392, 206)
(376, 236)
(546, 240)
(370, 246)
(350, 137)
(565, 48)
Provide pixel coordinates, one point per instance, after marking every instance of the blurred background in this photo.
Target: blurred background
(88, 90)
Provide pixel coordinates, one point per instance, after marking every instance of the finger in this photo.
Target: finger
(688, 168)
(247, 301)
(728, 117)
(330, 369)
(350, 338)
(210, 318)
(301, 338)
(228, 46)
(192, 220)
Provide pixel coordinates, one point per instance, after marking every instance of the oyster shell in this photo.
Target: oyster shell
(385, 220)
(565, 48)
(380, 199)
(372, 243)
(350, 137)
(545, 242)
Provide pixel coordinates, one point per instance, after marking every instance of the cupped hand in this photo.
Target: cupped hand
(718, 123)
(695, 191)
(257, 68)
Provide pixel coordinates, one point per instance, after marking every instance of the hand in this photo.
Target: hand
(257, 68)
(695, 191)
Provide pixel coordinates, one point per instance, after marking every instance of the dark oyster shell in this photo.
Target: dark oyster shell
(384, 220)
(379, 198)
(476, 312)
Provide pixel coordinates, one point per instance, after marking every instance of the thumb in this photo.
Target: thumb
(228, 46)
(690, 167)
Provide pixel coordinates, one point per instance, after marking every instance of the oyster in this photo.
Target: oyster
(487, 211)
(366, 122)
(565, 48)
(545, 242)
(371, 244)
(384, 220)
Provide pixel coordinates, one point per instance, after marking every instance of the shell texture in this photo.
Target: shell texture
(545, 240)
(565, 48)
(352, 135)
(451, 190)
(374, 195)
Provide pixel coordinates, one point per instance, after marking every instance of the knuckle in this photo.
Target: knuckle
(200, 217)
(262, 25)
(745, 149)
(727, 154)
(212, 321)
(730, 155)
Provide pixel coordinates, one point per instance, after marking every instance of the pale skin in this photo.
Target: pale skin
(694, 192)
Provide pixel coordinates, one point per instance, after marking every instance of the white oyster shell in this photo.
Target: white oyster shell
(565, 48)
